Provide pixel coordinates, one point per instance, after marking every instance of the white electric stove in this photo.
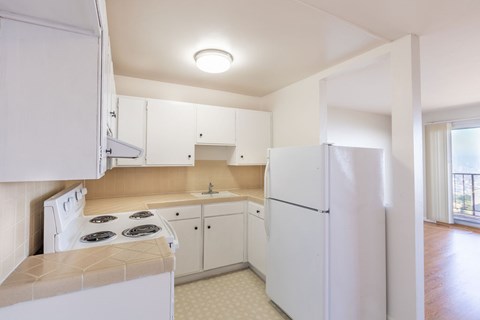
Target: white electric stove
(67, 228)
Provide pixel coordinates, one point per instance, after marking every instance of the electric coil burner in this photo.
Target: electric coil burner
(98, 236)
(141, 231)
(141, 215)
(102, 219)
(67, 228)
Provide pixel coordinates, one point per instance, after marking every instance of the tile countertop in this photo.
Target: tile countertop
(116, 205)
(53, 274)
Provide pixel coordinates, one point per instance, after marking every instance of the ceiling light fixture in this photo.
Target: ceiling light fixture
(213, 60)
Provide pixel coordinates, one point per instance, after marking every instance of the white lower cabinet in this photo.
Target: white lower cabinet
(187, 223)
(189, 254)
(223, 241)
(257, 238)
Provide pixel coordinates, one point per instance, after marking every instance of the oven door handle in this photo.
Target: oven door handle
(175, 244)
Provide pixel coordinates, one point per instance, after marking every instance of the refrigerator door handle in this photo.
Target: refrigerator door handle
(266, 187)
(266, 191)
(326, 190)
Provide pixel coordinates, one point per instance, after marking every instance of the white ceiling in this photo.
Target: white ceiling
(278, 42)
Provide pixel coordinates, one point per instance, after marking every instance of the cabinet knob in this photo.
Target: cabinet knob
(208, 227)
(189, 156)
(201, 135)
(177, 214)
(258, 211)
(196, 228)
(241, 156)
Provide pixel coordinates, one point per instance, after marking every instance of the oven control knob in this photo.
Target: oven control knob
(67, 205)
(84, 191)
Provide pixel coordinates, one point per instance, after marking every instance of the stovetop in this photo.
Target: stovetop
(67, 228)
(120, 228)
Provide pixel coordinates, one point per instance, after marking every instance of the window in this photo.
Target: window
(466, 172)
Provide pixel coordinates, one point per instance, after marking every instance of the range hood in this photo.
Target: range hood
(120, 149)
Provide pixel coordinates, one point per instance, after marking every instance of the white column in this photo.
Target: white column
(322, 89)
(405, 216)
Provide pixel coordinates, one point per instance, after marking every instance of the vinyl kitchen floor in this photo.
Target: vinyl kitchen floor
(235, 296)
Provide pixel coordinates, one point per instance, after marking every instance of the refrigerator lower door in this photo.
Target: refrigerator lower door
(296, 260)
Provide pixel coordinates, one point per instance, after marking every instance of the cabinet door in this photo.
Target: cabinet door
(253, 137)
(49, 104)
(223, 241)
(170, 133)
(257, 243)
(215, 125)
(189, 254)
(131, 126)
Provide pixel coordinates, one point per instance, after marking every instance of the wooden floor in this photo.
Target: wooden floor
(452, 273)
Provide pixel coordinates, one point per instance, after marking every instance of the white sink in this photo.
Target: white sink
(221, 194)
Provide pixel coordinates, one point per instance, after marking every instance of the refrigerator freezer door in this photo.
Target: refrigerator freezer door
(357, 262)
(296, 260)
(297, 175)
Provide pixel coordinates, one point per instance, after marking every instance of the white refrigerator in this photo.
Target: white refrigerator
(325, 225)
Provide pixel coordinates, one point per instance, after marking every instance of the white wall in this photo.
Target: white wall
(296, 114)
(362, 129)
(452, 114)
(359, 129)
(169, 91)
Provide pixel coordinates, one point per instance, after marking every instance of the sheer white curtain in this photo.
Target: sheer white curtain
(438, 172)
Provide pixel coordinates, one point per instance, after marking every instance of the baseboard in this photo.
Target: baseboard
(210, 273)
(257, 272)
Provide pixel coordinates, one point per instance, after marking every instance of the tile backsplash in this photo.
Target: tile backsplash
(122, 182)
(21, 220)
(21, 203)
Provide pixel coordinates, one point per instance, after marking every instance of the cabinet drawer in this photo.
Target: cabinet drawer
(256, 209)
(178, 213)
(224, 208)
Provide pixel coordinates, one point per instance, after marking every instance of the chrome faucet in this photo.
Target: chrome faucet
(210, 189)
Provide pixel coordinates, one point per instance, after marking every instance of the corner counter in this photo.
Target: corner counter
(54, 274)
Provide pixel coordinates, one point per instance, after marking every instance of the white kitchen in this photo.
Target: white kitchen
(288, 185)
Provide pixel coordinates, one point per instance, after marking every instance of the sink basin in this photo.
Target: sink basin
(221, 194)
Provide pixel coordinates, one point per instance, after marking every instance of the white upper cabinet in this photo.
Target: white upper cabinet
(170, 133)
(131, 126)
(253, 132)
(215, 125)
(49, 106)
(55, 90)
